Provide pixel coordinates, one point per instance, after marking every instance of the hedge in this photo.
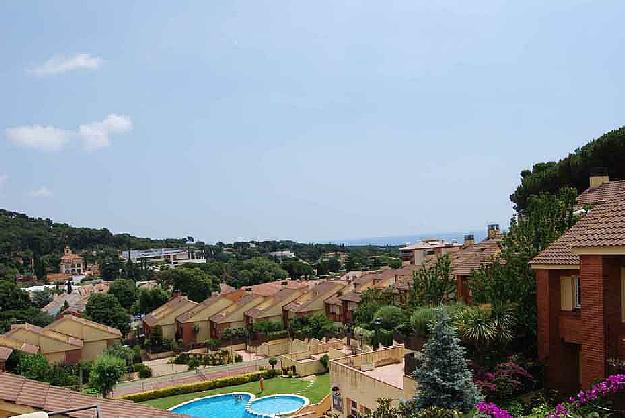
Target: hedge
(200, 386)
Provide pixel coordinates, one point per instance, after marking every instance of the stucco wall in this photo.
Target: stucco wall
(363, 389)
(93, 349)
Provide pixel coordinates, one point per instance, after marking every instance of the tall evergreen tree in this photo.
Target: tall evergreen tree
(444, 379)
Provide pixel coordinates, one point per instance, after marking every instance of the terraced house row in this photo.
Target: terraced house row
(68, 340)
(338, 298)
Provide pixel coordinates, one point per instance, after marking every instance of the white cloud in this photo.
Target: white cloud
(94, 135)
(42, 191)
(46, 138)
(60, 64)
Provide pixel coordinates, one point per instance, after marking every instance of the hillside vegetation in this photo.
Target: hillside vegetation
(607, 152)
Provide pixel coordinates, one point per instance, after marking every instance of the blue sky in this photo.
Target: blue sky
(305, 120)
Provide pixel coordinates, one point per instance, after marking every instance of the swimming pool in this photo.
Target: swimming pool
(274, 405)
(241, 405)
(230, 405)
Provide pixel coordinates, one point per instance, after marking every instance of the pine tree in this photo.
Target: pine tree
(444, 379)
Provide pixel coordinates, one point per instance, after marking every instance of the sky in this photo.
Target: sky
(313, 121)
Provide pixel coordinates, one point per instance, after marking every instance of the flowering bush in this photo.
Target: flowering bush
(506, 381)
(613, 384)
(489, 409)
(575, 406)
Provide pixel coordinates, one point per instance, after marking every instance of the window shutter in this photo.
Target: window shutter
(566, 293)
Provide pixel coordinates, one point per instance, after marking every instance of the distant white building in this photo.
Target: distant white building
(171, 256)
(282, 254)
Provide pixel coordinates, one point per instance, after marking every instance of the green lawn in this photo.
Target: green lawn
(315, 391)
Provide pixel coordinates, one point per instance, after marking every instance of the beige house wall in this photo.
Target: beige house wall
(202, 318)
(363, 389)
(93, 349)
(55, 358)
(47, 345)
(169, 331)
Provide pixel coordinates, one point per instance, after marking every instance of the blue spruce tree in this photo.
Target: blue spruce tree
(444, 379)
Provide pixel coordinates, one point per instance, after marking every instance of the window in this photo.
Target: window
(577, 292)
(623, 294)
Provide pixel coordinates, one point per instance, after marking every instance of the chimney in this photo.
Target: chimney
(598, 176)
(493, 231)
(469, 239)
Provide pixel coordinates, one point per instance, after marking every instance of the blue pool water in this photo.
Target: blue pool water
(221, 406)
(277, 404)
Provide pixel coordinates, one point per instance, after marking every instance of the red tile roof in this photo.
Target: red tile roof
(42, 396)
(602, 226)
(177, 303)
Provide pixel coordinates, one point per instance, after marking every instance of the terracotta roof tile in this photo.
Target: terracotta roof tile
(602, 226)
(177, 303)
(42, 396)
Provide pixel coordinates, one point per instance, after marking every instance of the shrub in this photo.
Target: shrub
(238, 358)
(193, 363)
(272, 362)
(200, 386)
(506, 381)
(182, 358)
(325, 360)
(436, 412)
(143, 370)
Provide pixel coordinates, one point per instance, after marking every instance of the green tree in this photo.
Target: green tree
(41, 298)
(509, 281)
(106, 372)
(574, 170)
(105, 309)
(272, 362)
(298, 269)
(389, 317)
(12, 297)
(443, 378)
(316, 325)
(433, 284)
(34, 366)
(193, 282)
(370, 301)
(150, 299)
(32, 315)
(125, 291)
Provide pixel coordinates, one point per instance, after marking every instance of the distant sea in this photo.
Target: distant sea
(406, 239)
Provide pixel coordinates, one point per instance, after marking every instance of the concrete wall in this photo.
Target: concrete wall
(365, 390)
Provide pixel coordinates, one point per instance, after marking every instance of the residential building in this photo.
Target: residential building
(165, 316)
(312, 301)
(234, 315)
(471, 257)
(171, 256)
(416, 253)
(580, 291)
(271, 308)
(95, 337)
(357, 381)
(193, 326)
(19, 395)
(71, 263)
(282, 254)
(55, 346)
(8, 345)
